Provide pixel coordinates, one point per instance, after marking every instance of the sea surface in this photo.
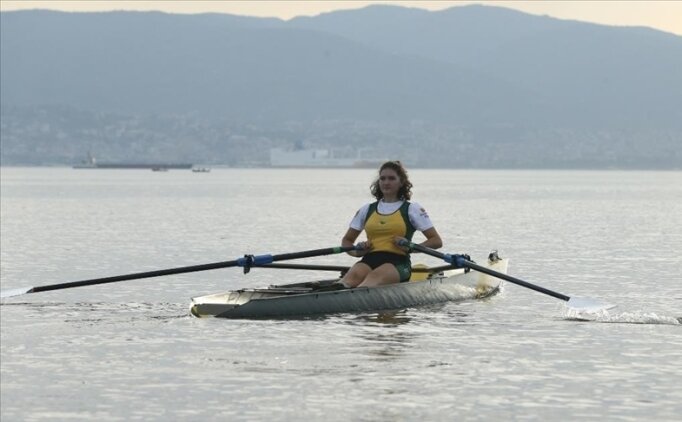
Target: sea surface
(131, 351)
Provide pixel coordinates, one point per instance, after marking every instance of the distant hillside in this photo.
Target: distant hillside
(594, 75)
(469, 77)
(229, 67)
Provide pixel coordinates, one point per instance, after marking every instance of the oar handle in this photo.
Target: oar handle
(249, 261)
(462, 261)
(456, 260)
(339, 268)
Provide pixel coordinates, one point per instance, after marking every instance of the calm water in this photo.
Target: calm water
(129, 351)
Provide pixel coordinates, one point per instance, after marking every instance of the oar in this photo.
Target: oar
(246, 262)
(339, 268)
(342, 268)
(462, 261)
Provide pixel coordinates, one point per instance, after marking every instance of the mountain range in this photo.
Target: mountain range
(488, 71)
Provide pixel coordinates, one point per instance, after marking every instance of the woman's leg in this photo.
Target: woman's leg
(383, 274)
(356, 274)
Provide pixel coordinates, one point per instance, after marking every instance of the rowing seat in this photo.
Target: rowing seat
(419, 275)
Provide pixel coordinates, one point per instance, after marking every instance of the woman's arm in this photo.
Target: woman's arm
(349, 240)
(419, 218)
(433, 239)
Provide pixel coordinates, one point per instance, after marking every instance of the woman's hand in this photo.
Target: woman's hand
(363, 248)
(401, 243)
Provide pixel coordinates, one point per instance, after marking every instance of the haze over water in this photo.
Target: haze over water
(130, 350)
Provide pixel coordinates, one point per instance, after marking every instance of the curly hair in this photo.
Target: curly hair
(405, 192)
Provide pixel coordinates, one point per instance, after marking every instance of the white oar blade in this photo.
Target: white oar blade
(586, 304)
(14, 292)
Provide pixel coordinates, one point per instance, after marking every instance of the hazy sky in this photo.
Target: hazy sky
(663, 15)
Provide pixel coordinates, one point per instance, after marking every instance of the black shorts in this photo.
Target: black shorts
(401, 262)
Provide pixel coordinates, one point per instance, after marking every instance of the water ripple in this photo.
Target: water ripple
(130, 350)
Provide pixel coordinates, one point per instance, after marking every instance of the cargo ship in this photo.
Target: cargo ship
(91, 163)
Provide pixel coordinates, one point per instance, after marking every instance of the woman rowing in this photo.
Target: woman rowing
(387, 221)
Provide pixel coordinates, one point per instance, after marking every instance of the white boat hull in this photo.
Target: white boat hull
(302, 300)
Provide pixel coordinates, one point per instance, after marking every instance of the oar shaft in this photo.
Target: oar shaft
(515, 280)
(311, 253)
(458, 260)
(134, 276)
(245, 262)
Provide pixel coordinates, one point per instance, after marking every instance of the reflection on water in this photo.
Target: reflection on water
(389, 318)
(99, 312)
(388, 346)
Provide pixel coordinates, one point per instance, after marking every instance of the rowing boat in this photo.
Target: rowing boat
(309, 298)
(434, 285)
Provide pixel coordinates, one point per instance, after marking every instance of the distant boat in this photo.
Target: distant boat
(91, 163)
(201, 170)
(319, 158)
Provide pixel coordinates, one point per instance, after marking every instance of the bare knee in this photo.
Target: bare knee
(356, 275)
(384, 274)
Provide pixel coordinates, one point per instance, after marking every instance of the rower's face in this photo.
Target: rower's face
(389, 182)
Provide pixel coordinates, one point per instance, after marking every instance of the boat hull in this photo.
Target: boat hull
(295, 301)
(135, 166)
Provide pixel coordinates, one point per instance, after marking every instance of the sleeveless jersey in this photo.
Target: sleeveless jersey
(382, 228)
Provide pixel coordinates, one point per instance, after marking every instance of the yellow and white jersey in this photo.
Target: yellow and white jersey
(383, 221)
